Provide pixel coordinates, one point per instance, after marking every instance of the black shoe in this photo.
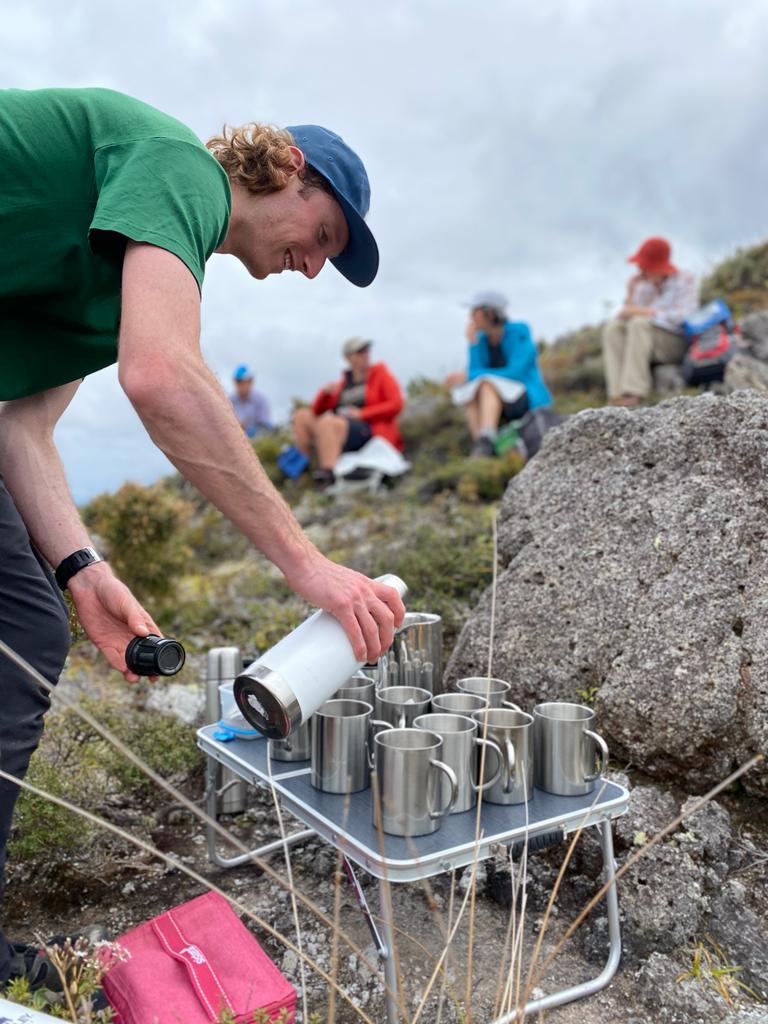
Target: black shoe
(482, 449)
(33, 963)
(361, 473)
(323, 478)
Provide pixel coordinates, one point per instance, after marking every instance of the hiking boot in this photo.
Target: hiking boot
(482, 449)
(32, 962)
(323, 479)
(361, 473)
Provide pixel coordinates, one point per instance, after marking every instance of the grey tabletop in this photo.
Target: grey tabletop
(347, 822)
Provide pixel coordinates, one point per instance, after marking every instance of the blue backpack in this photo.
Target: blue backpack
(713, 342)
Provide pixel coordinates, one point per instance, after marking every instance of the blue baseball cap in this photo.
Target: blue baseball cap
(242, 373)
(344, 171)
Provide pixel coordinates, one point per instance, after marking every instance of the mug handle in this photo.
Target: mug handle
(602, 753)
(454, 789)
(482, 786)
(511, 706)
(510, 766)
(375, 724)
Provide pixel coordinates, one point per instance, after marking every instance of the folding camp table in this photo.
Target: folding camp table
(347, 824)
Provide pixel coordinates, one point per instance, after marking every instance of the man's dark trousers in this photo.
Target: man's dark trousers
(34, 623)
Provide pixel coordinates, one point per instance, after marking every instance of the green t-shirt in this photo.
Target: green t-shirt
(81, 171)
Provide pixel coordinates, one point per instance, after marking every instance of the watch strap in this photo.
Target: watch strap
(73, 563)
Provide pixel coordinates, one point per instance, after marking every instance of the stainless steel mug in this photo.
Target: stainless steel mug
(458, 703)
(341, 746)
(296, 746)
(359, 687)
(461, 751)
(495, 691)
(223, 665)
(570, 756)
(401, 705)
(417, 650)
(409, 773)
(512, 731)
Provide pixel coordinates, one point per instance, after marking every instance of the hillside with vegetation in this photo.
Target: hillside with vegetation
(206, 586)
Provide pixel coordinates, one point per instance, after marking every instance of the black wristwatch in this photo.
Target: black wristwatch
(74, 563)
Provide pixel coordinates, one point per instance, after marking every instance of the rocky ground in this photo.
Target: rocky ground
(631, 577)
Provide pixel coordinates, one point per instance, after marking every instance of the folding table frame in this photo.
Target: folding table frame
(347, 824)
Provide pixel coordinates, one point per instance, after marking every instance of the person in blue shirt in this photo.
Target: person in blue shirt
(502, 379)
(250, 406)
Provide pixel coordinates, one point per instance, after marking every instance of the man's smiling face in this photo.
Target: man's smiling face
(297, 228)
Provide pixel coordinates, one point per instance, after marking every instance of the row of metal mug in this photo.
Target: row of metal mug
(558, 736)
(438, 763)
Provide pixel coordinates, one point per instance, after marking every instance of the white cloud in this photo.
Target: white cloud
(520, 147)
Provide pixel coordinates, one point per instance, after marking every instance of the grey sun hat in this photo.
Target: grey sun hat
(488, 297)
(352, 345)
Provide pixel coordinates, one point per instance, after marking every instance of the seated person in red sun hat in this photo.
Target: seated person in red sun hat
(649, 327)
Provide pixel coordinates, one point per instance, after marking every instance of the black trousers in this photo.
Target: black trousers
(34, 623)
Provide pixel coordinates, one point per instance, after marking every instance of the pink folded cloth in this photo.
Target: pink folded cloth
(192, 963)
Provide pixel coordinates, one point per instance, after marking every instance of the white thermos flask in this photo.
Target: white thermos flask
(285, 686)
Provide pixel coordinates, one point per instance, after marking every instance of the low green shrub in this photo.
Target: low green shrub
(446, 558)
(145, 530)
(41, 829)
(741, 280)
(473, 479)
(164, 742)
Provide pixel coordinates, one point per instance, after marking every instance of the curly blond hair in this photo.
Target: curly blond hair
(258, 157)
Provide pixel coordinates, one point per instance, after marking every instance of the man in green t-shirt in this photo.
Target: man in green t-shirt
(109, 210)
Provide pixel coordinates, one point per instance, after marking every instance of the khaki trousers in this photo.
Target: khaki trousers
(629, 348)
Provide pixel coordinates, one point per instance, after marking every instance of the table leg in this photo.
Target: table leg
(387, 954)
(588, 988)
(211, 794)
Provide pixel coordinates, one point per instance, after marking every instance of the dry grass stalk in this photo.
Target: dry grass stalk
(177, 796)
(508, 982)
(337, 880)
(443, 984)
(635, 857)
(483, 748)
(194, 875)
(391, 945)
(439, 965)
(292, 888)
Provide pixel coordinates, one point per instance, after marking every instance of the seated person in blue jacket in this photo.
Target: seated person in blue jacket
(504, 368)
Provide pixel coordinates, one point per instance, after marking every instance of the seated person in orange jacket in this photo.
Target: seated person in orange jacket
(347, 413)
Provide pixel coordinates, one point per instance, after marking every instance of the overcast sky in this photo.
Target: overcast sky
(523, 147)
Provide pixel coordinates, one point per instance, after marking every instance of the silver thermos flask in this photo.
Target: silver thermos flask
(224, 663)
(285, 686)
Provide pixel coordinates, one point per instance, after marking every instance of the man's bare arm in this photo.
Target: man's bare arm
(190, 419)
(32, 470)
(34, 476)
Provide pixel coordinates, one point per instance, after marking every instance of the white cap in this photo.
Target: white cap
(488, 297)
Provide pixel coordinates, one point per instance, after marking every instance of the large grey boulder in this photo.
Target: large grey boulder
(745, 371)
(668, 379)
(754, 332)
(738, 930)
(634, 572)
(674, 998)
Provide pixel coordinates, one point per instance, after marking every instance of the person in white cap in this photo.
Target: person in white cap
(348, 412)
(502, 362)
